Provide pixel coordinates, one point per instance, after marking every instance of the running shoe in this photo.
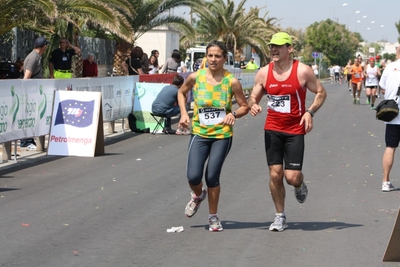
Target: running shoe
(194, 204)
(357, 101)
(368, 101)
(372, 107)
(301, 193)
(387, 187)
(279, 224)
(354, 101)
(215, 224)
(169, 131)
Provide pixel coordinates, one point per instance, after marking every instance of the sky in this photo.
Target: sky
(373, 19)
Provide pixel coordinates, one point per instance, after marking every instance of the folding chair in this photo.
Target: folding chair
(159, 118)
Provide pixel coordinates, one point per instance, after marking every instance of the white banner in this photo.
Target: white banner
(74, 126)
(26, 105)
(25, 109)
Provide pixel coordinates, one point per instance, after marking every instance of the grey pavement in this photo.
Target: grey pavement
(115, 209)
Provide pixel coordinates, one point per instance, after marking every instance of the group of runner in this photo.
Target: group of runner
(364, 74)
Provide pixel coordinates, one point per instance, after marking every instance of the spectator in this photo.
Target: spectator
(315, 69)
(166, 103)
(132, 65)
(34, 70)
(389, 83)
(17, 70)
(61, 60)
(251, 65)
(90, 67)
(173, 63)
(182, 68)
(153, 65)
(157, 54)
(145, 63)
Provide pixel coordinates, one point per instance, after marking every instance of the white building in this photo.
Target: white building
(389, 48)
(164, 39)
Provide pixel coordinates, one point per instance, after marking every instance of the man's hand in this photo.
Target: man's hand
(255, 109)
(307, 120)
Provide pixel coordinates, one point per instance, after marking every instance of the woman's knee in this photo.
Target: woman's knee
(211, 183)
(194, 178)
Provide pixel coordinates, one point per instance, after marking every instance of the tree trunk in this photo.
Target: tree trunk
(123, 50)
(78, 59)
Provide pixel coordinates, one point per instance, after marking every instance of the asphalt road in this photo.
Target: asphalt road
(114, 210)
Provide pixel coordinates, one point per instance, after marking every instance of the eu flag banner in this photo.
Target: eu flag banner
(77, 124)
(75, 113)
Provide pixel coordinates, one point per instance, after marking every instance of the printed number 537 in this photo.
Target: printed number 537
(211, 115)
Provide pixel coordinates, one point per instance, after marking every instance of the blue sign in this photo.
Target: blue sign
(315, 54)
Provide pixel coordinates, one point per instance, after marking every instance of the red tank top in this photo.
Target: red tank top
(286, 103)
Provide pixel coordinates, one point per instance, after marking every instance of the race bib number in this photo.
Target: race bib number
(210, 116)
(357, 75)
(279, 103)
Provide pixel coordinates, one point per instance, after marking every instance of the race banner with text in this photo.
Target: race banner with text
(25, 109)
(26, 105)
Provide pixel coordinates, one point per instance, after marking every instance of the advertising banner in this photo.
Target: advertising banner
(145, 94)
(75, 124)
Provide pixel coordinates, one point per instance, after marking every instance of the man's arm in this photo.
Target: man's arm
(51, 70)
(27, 74)
(258, 91)
(310, 81)
(307, 78)
(75, 48)
(125, 68)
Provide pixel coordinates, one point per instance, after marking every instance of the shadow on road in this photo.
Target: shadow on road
(305, 226)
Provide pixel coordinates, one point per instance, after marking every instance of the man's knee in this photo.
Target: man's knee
(294, 177)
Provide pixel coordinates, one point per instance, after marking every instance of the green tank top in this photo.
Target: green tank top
(211, 104)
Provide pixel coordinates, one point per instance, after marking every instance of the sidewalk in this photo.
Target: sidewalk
(26, 155)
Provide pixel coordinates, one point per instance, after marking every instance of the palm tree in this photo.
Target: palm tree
(221, 21)
(298, 38)
(149, 15)
(14, 13)
(74, 14)
(398, 29)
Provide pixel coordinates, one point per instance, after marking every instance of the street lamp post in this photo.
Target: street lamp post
(334, 7)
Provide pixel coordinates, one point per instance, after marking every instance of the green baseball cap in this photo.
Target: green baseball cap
(281, 38)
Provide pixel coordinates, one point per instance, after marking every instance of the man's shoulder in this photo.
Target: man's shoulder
(169, 87)
(31, 55)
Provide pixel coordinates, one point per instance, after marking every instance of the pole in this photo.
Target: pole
(14, 52)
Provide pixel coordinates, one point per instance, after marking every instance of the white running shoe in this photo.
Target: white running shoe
(279, 224)
(387, 187)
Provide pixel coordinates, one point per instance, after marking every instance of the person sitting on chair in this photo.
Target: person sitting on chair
(166, 103)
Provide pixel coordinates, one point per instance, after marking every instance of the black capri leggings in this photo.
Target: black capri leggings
(199, 150)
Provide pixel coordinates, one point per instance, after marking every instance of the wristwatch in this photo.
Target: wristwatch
(311, 112)
(234, 114)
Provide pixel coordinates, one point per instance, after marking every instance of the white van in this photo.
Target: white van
(195, 55)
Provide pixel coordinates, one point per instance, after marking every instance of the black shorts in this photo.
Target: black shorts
(392, 135)
(371, 87)
(282, 147)
(349, 77)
